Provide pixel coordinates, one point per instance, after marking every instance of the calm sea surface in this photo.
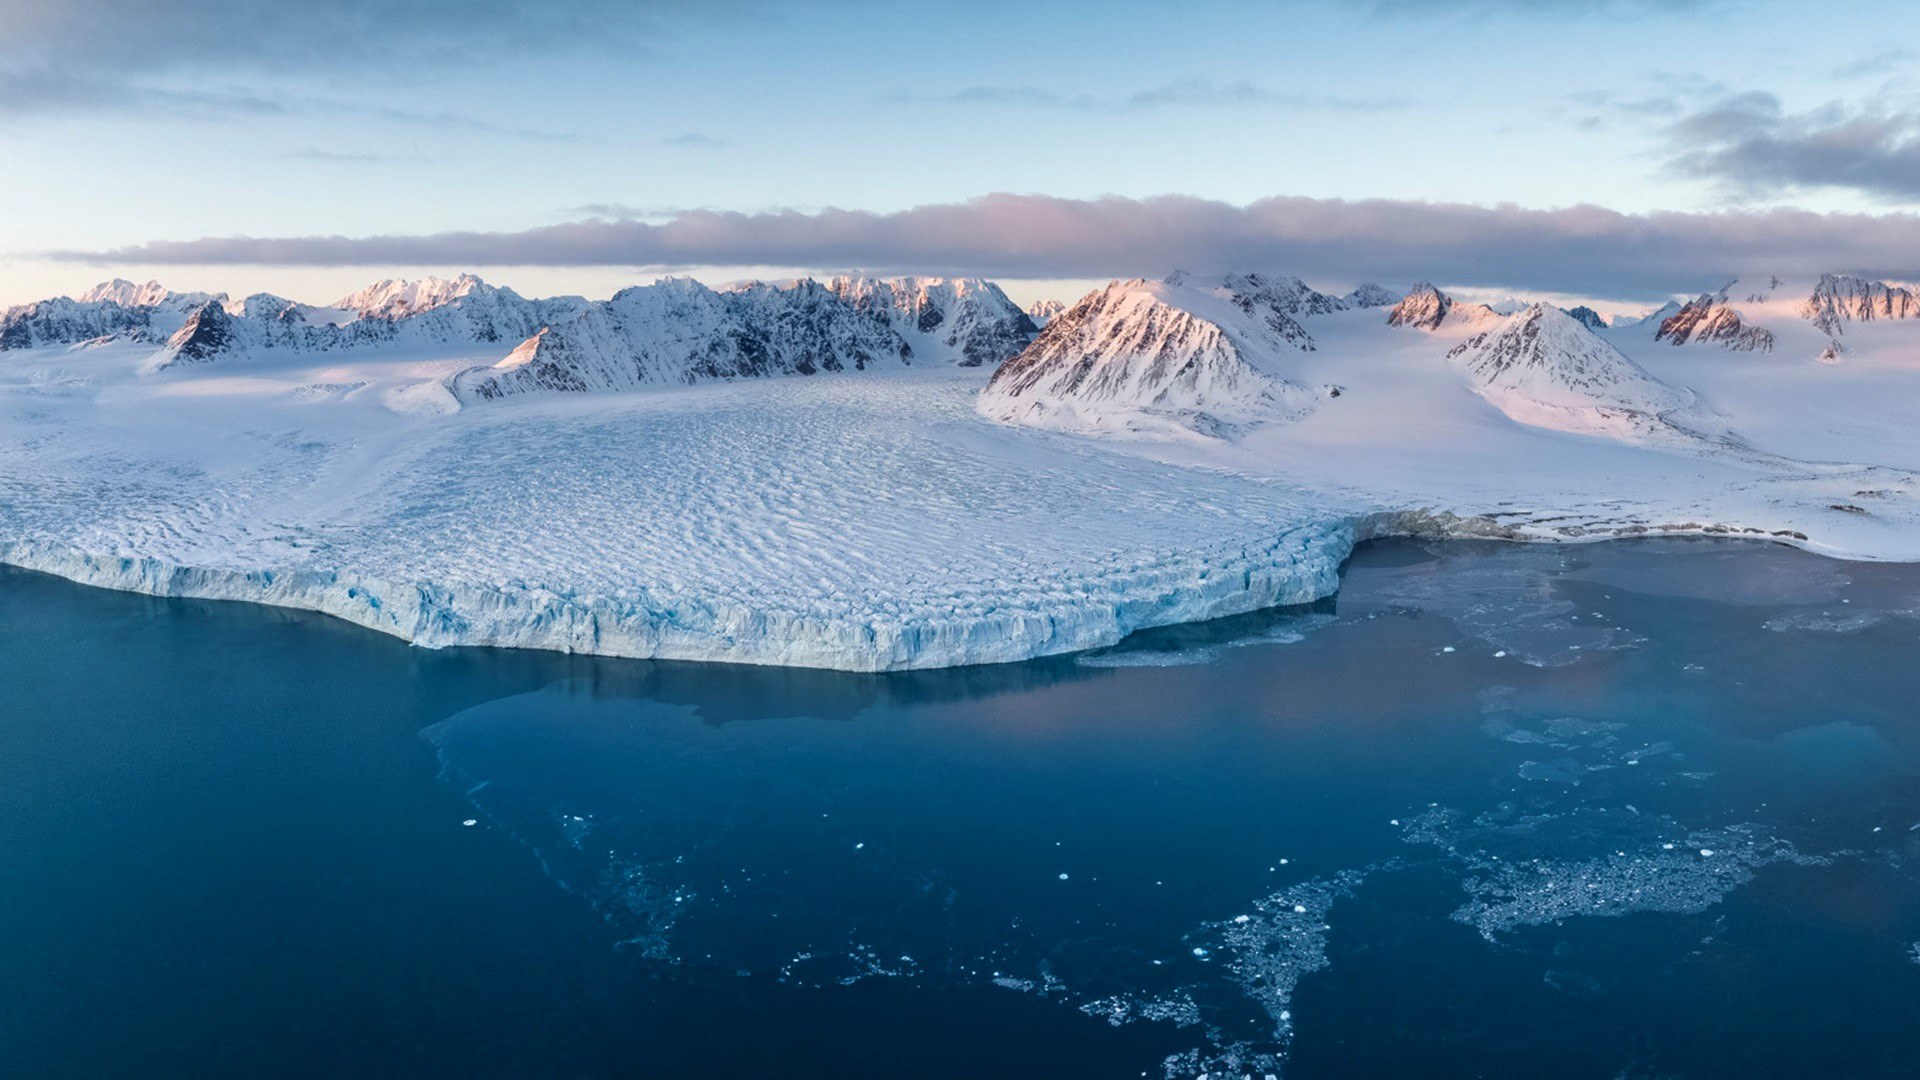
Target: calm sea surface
(1646, 808)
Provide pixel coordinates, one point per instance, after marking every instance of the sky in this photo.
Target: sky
(1613, 150)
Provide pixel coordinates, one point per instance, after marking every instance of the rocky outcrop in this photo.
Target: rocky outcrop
(1711, 319)
(1587, 317)
(1839, 299)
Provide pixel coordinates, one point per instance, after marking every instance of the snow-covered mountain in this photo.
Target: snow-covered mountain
(1711, 318)
(1652, 318)
(1285, 295)
(1545, 368)
(968, 320)
(1043, 312)
(1180, 355)
(1369, 295)
(874, 522)
(62, 321)
(1839, 299)
(1425, 307)
(680, 331)
(152, 294)
(1587, 317)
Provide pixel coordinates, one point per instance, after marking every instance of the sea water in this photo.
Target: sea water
(1629, 808)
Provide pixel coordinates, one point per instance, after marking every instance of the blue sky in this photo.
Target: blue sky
(125, 125)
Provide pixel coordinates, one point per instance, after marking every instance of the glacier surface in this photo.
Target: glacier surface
(876, 519)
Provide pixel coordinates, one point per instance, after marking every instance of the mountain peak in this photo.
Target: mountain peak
(1369, 295)
(393, 298)
(1423, 308)
(129, 295)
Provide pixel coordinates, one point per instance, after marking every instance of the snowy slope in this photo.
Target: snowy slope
(1544, 368)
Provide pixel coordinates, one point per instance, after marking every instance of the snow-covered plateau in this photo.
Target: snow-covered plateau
(874, 475)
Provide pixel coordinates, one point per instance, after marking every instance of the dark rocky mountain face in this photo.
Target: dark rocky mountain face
(1710, 318)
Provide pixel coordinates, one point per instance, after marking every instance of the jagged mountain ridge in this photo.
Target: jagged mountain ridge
(1044, 311)
(1712, 318)
(680, 331)
(969, 317)
(1839, 299)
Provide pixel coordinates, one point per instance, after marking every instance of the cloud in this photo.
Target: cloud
(1582, 250)
(75, 55)
(1750, 143)
(1181, 93)
(1873, 65)
(694, 140)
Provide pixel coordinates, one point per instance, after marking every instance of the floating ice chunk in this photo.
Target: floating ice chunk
(471, 822)
(1063, 877)
(1200, 953)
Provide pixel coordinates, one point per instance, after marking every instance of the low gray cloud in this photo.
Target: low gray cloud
(1181, 93)
(1750, 143)
(1586, 250)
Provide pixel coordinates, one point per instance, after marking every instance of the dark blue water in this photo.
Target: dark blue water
(1638, 808)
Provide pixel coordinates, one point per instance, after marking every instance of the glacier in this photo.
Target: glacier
(885, 516)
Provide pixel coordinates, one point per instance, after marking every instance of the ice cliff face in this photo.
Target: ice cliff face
(1544, 368)
(1712, 319)
(1181, 355)
(1839, 299)
(968, 320)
